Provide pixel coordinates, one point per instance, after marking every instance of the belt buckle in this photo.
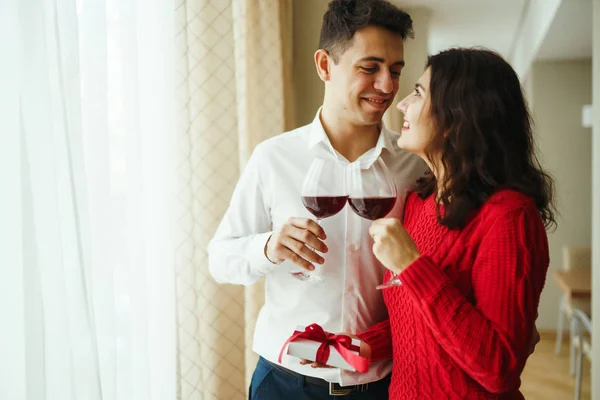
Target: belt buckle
(336, 390)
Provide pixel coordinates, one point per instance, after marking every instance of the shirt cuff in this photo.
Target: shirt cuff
(259, 263)
(423, 278)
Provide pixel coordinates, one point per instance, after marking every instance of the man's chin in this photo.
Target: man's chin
(372, 117)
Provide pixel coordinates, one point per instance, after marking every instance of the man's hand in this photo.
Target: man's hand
(292, 243)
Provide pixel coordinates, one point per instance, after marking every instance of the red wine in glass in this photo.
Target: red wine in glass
(372, 207)
(324, 206)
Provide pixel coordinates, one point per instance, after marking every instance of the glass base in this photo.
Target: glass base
(393, 282)
(307, 277)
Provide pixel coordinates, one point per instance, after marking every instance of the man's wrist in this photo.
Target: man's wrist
(266, 251)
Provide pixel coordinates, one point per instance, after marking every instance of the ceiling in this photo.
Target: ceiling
(570, 35)
(496, 24)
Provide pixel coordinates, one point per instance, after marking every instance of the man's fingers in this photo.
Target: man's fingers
(310, 225)
(299, 249)
(289, 255)
(308, 238)
(296, 240)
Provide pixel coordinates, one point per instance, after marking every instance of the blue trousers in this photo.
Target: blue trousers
(271, 383)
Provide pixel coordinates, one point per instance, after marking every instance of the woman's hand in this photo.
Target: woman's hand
(393, 246)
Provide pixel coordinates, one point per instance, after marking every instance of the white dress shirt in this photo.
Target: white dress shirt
(266, 196)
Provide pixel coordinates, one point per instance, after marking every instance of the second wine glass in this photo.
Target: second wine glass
(372, 195)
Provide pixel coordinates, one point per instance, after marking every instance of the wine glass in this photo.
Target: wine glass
(324, 195)
(372, 195)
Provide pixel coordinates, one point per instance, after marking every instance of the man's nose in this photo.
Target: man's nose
(384, 82)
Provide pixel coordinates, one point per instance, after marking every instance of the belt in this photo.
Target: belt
(334, 388)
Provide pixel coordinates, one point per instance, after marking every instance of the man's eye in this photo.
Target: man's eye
(369, 69)
(396, 74)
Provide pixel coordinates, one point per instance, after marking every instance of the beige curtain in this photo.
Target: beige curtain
(234, 63)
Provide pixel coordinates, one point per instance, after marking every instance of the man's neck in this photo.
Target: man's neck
(350, 140)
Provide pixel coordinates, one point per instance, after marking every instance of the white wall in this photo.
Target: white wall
(557, 92)
(596, 203)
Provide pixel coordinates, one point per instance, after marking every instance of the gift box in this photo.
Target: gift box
(315, 344)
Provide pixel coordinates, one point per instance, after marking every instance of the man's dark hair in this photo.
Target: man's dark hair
(345, 17)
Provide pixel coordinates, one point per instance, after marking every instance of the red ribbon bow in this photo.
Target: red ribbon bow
(342, 343)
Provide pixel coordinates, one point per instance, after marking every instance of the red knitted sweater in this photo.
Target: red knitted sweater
(462, 321)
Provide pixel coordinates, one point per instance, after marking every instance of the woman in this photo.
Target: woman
(472, 251)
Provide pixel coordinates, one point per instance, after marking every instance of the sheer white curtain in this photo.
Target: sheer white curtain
(92, 293)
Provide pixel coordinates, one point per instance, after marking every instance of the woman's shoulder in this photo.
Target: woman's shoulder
(418, 206)
(414, 201)
(507, 200)
(507, 204)
(411, 197)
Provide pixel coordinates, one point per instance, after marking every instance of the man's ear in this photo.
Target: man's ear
(322, 62)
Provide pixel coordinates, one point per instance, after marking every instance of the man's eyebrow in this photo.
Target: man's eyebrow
(380, 60)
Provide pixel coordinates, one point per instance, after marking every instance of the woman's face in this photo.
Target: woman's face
(418, 131)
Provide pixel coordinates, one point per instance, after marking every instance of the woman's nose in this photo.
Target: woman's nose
(402, 105)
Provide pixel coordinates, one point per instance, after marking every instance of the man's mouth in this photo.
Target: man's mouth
(377, 101)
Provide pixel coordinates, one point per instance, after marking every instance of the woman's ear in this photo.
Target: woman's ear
(322, 61)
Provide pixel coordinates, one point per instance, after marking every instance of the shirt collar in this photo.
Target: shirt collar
(317, 135)
(317, 132)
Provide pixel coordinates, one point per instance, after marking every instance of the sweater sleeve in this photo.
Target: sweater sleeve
(379, 338)
(489, 339)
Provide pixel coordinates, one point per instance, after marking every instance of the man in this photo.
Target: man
(267, 233)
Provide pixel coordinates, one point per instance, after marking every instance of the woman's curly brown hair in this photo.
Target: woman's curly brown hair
(484, 130)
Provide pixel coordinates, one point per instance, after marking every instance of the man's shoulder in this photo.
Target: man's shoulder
(287, 141)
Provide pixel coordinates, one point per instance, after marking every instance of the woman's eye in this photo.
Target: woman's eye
(417, 92)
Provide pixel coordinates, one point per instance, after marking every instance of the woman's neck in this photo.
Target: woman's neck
(437, 170)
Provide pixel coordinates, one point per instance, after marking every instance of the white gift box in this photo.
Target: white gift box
(307, 349)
